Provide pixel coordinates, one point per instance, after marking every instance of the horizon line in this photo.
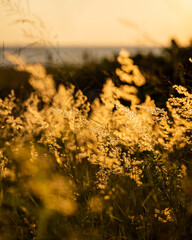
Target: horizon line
(80, 46)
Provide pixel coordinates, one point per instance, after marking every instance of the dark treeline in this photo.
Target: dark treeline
(162, 71)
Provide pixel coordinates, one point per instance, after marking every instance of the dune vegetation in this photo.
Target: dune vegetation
(78, 169)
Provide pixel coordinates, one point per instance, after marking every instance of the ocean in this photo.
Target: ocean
(69, 55)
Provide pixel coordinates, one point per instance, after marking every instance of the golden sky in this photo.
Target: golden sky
(95, 22)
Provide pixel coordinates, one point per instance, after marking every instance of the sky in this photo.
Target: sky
(95, 22)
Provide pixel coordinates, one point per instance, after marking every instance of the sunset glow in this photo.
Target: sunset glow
(97, 23)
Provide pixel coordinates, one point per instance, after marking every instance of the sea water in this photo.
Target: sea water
(69, 55)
